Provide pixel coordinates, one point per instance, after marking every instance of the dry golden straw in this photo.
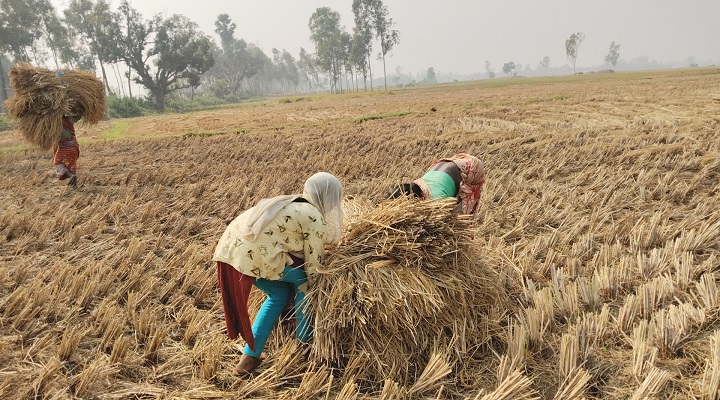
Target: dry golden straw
(41, 98)
(402, 281)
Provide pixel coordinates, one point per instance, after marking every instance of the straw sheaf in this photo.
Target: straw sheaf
(401, 280)
(41, 98)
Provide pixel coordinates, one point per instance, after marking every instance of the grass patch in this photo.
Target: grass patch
(6, 124)
(211, 133)
(381, 116)
(296, 100)
(554, 98)
(19, 147)
(117, 130)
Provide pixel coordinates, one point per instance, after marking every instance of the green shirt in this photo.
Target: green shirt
(441, 185)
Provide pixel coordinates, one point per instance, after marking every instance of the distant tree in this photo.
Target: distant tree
(613, 54)
(398, 76)
(358, 55)
(28, 28)
(179, 52)
(545, 63)
(346, 64)
(572, 44)
(326, 34)
(285, 70)
(383, 25)
(430, 76)
(508, 67)
(307, 65)
(363, 31)
(489, 69)
(97, 26)
(134, 38)
(225, 28)
(237, 63)
(16, 20)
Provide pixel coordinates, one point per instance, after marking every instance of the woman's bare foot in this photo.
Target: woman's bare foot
(246, 365)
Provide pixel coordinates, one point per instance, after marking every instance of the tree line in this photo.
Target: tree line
(171, 56)
(572, 47)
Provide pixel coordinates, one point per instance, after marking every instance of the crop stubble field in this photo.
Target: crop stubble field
(600, 214)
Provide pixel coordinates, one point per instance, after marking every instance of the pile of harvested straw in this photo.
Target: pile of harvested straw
(41, 98)
(402, 285)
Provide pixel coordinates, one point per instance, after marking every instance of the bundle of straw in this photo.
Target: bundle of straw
(41, 98)
(403, 281)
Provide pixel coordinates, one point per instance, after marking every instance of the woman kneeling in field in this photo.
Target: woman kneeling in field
(277, 245)
(461, 176)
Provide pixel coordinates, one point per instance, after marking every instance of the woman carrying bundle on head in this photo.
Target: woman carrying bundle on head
(46, 105)
(277, 246)
(461, 176)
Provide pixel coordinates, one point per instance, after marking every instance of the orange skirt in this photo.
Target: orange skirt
(67, 153)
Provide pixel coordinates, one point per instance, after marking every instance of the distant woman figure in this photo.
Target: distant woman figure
(278, 246)
(461, 176)
(67, 151)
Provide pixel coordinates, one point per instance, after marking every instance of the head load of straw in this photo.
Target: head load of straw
(404, 281)
(42, 97)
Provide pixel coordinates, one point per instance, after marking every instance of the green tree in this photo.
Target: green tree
(98, 27)
(363, 32)
(613, 54)
(384, 31)
(180, 53)
(572, 45)
(134, 39)
(28, 29)
(286, 71)
(21, 28)
(345, 49)
(508, 67)
(236, 63)
(225, 28)
(430, 76)
(307, 66)
(358, 56)
(489, 69)
(545, 63)
(262, 64)
(326, 34)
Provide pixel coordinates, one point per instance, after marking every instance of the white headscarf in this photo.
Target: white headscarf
(265, 211)
(324, 191)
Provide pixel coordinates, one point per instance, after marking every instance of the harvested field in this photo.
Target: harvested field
(599, 221)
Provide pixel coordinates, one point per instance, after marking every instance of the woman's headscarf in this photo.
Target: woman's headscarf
(257, 217)
(324, 191)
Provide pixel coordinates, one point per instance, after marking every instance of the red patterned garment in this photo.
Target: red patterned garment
(235, 291)
(472, 176)
(67, 152)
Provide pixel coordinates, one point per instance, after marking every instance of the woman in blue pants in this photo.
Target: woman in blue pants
(278, 246)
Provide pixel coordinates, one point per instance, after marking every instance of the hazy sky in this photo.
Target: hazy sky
(458, 36)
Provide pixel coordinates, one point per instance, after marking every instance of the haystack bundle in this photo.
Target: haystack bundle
(41, 97)
(403, 285)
